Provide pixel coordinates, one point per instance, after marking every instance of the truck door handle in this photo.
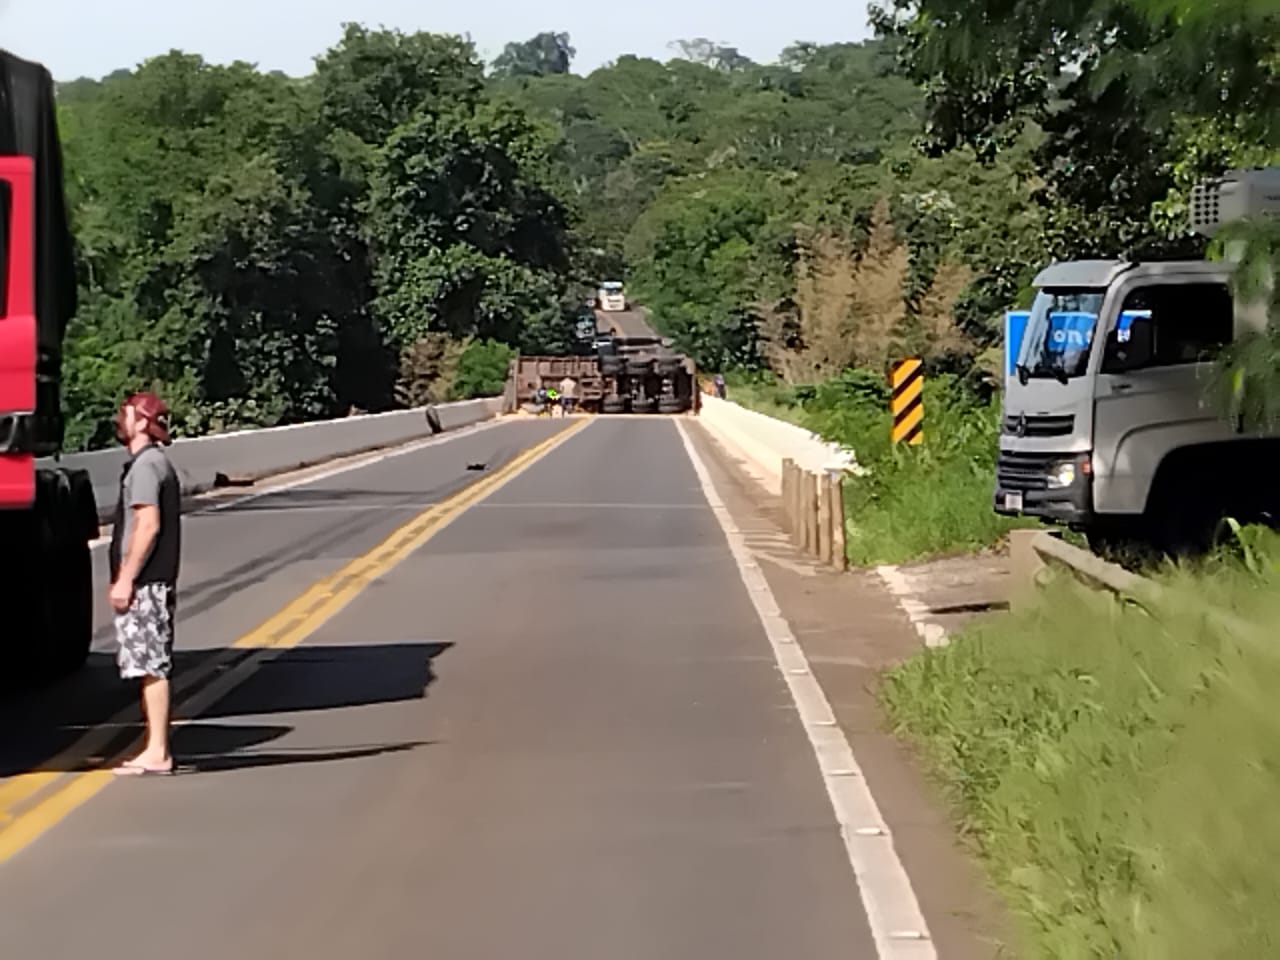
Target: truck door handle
(1121, 387)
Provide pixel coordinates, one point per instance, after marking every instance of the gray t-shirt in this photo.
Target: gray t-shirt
(149, 478)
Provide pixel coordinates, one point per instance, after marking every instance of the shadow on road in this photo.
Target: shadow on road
(215, 748)
(43, 727)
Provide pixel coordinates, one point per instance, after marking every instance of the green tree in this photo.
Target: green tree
(543, 55)
(466, 237)
(482, 369)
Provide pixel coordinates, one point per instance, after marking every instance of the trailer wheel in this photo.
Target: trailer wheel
(613, 405)
(62, 581)
(671, 405)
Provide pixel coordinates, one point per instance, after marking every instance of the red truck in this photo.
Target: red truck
(48, 513)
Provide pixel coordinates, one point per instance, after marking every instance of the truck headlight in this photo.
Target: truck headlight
(1065, 473)
(1062, 475)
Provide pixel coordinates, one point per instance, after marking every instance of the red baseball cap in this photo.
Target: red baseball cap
(156, 412)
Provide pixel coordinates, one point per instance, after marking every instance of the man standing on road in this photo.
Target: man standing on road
(568, 394)
(144, 557)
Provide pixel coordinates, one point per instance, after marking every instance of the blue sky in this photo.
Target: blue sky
(93, 37)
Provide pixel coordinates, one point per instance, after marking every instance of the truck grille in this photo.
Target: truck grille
(1045, 426)
(1024, 471)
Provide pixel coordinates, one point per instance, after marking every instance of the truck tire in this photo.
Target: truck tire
(67, 520)
(671, 405)
(638, 367)
(47, 567)
(613, 405)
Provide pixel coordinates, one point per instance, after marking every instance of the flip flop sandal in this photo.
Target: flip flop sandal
(134, 770)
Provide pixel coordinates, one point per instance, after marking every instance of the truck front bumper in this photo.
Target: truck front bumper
(1052, 486)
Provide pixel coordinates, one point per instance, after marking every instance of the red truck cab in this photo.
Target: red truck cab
(48, 513)
(17, 335)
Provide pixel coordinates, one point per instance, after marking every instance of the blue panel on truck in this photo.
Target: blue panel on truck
(1015, 326)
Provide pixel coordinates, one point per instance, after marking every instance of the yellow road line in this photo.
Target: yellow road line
(20, 786)
(286, 628)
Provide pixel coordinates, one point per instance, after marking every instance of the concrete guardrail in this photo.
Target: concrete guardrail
(254, 454)
(1032, 553)
(765, 442)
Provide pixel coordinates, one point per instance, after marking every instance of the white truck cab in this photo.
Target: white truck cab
(612, 296)
(1109, 422)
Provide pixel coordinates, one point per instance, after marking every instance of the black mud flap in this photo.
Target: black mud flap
(433, 420)
(83, 504)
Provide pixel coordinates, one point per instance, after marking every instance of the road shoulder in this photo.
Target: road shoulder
(851, 629)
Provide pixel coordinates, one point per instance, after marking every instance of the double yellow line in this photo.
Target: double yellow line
(33, 802)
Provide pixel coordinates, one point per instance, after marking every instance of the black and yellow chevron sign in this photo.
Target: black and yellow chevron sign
(907, 402)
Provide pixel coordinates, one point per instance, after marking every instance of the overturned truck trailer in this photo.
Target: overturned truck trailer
(632, 370)
(617, 383)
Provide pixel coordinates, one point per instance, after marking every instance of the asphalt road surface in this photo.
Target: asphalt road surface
(555, 730)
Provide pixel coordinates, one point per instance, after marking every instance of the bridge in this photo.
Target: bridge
(527, 687)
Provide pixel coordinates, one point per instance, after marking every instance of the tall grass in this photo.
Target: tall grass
(914, 502)
(1118, 773)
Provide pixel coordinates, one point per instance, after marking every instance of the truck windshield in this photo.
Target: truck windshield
(1060, 333)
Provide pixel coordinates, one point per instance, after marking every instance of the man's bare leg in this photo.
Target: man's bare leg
(155, 708)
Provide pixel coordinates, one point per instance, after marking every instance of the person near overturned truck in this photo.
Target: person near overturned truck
(144, 560)
(568, 394)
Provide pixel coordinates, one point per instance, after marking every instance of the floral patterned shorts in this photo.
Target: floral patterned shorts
(144, 632)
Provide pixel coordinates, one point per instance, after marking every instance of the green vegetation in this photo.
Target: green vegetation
(1116, 771)
(265, 249)
(1130, 103)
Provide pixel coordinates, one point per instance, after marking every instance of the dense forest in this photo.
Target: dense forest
(267, 249)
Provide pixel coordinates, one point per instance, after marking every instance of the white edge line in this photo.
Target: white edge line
(412, 447)
(893, 913)
(933, 634)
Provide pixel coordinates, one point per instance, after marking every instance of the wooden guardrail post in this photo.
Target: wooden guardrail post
(811, 512)
(839, 557)
(806, 508)
(797, 505)
(824, 516)
(787, 479)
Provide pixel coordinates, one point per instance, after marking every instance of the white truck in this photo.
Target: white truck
(611, 296)
(1109, 426)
